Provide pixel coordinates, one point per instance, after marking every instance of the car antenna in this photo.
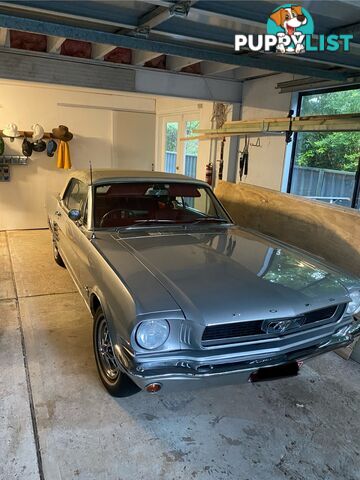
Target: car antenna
(93, 202)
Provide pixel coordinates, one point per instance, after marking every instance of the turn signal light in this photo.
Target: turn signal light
(153, 387)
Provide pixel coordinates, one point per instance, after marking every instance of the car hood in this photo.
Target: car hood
(229, 274)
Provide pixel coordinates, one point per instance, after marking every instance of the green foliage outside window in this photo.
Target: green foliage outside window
(330, 150)
(191, 148)
(171, 136)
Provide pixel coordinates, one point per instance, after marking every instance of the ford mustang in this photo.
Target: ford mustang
(181, 296)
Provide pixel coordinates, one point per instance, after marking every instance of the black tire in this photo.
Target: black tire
(57, 256)
(116, 382)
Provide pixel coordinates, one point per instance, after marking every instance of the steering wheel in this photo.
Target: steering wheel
(110, 213)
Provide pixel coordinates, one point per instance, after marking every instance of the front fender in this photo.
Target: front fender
(114, 297)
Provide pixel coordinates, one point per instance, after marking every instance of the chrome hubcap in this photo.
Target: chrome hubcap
(106, 352)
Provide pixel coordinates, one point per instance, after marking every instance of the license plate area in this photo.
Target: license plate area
(275, 373)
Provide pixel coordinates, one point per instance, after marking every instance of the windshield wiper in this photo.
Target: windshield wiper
(209, 219)
(138, 223)
(153, 220)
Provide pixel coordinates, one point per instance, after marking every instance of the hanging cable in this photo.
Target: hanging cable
(244, 159)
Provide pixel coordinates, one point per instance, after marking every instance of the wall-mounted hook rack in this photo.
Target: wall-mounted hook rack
(6, 161)
(13, 160)
(27, 134)
(4, 173)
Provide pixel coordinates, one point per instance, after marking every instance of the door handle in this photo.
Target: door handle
(58, 214)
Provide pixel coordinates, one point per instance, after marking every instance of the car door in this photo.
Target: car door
(82, 249)
(71, 232)
(60, 220)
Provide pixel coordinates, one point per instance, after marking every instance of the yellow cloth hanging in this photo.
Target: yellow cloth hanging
(60, 155)
(63, 156)
(67, 159)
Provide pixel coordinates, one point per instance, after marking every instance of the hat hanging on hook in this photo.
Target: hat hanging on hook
(38, 132)
(39, 146)
(62, 133)
(51, 148)
(27, 148)
(11, 131)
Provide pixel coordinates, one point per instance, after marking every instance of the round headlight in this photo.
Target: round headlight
(152, 334)
(354, 305)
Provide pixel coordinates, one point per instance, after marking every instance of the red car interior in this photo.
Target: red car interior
(123, 204)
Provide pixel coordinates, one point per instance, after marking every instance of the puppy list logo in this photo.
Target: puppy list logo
(290, 30)
(290, 24)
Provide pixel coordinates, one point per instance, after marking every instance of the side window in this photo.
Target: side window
(203, 204)
(76, 195)
(68, 191)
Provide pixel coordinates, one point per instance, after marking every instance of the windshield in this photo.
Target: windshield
(121, 205)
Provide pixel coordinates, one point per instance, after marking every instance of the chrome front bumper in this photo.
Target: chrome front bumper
(176, 372)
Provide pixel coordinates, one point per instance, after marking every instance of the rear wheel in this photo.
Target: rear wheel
(116, 382)
(57, 256)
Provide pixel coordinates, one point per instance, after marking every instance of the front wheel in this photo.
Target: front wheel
(116, 382)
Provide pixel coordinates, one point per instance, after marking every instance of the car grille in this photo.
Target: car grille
(245, 329)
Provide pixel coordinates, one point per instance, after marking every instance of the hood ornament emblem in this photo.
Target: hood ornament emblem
(282, 326)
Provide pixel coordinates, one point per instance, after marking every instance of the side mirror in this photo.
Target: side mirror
(74, 214)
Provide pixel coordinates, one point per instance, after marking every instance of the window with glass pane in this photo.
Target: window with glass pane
(191, 149)
(326, 163)
(171, 139)
(202, 204)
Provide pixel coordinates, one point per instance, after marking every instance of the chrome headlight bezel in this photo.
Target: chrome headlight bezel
(353, 307)
(152, 334)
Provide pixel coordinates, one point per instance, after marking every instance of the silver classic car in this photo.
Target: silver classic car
(181, 296)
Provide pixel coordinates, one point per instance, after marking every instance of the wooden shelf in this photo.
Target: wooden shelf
(265, 126)
(26, 134)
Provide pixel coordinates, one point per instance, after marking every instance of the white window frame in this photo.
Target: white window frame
(181, 118)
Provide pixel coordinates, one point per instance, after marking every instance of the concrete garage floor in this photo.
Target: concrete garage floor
(56, 418)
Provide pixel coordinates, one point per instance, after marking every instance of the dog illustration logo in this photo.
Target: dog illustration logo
(290, 30)
(290, 23)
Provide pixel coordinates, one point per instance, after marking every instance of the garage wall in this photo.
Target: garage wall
(260, 100)
(107, 127)
(96, 119)
(134, 140)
